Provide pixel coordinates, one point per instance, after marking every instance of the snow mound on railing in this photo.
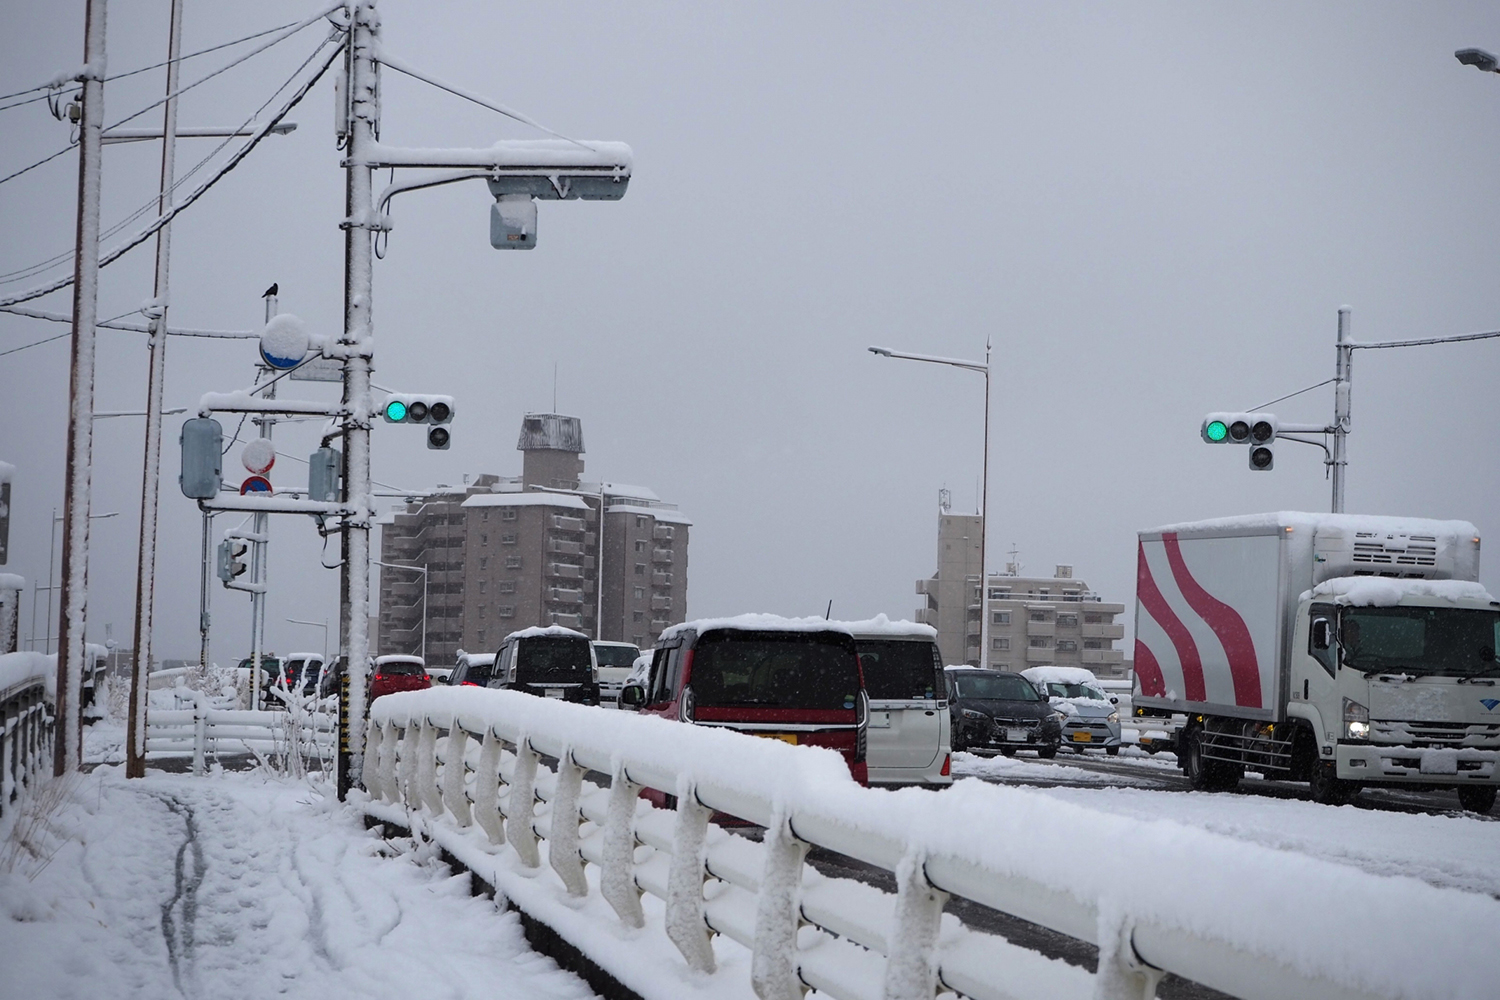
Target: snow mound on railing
(18, 668)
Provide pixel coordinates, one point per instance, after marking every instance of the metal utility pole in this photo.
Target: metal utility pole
(357, 348)
(1343, 377)
(68, 749)
(204, 620)
(260, 554)
(145, 584)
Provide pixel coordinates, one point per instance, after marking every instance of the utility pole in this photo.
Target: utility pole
(68, 748)
(260, 554)
(145, 584)
(204, 620)
(1343, 378)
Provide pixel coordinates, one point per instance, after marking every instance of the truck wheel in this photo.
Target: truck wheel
(1477, 798)
(1193, 764)
(1328, 788)
(1113, 751)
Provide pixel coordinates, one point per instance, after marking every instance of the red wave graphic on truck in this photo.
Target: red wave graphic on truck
(1227, 624)
(1148, 671)
(1156, 606)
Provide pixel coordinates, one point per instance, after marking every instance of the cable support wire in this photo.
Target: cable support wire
(197, 193)
(1289, 395)
(115, 323)
(1459, 338)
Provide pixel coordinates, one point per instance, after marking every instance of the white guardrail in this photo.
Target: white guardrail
(203, 733)
(465, 767)
(25, 726)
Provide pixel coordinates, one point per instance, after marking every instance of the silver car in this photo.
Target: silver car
(1091, 717)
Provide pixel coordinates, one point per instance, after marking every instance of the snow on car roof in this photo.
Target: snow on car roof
(1383, 592)
(880, 625)
(1323, 522)
(535, 631)
(1059, 675)
(398, 658)
(478, 659)
(611, 642)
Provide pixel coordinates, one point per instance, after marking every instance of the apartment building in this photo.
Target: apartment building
(505, 553)
(1034, 621)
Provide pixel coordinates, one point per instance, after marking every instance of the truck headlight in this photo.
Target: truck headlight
(1113, 717)
(1356, 720)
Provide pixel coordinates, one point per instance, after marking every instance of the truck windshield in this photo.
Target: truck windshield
(901, 668)
(555, 659)
(800, 670)
(1453, 642)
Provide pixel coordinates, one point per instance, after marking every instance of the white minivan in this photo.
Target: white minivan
(910, 741)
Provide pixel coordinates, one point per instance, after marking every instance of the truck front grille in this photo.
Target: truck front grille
(1484, 735)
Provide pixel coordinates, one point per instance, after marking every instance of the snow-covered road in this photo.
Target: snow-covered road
(239, 885)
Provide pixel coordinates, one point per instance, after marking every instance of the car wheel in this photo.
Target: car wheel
(1328, 788)
(1047, 753)
(1113, 751)
(1008, 751)
(1477, 798)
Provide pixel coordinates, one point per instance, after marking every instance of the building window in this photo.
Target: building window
(641, 520)
(1040, 642)
(1000, 618)
(1093, 644)
(484, 562)
(640, 545)
(481, 637)
(1038, 616)
(508, 514)
(640, 569)
(505, 587)
(483, 584)
(973, 614)
(512, 562)
(999, 593)
(640, 593)
(484, 515)
(1067, 621)
(509, 538)
(637, 616)
(1000, 642)
(639, 640)
(1067, 645)
(483, 611)
(484, 538)
(1094, 620)
(505, 611)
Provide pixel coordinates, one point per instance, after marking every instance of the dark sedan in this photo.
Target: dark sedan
(998, 712)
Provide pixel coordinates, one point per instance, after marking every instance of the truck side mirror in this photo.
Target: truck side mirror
(632, 696)
(1322, 633)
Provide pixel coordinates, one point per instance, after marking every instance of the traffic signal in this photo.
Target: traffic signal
(202, 458)
(411, 409)
(1257, 430)
(232, 553)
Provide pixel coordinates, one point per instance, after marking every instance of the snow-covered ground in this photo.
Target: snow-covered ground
(244, 885)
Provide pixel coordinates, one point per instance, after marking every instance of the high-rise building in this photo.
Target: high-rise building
(505, 553)
(1034, 621)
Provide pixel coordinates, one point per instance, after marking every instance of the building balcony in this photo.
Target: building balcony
(661, 604)
(1116, 631)
(1103, 656)
(664, 533)
(561, 522)
(1041, 628)
(1041, 654)
(565, 595)
(926, 616)
(566, 571)
(567, 621)
(564, 547)
(928, 587)
(661, 579)
(663, 556)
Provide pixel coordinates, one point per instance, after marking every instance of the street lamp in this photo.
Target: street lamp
(984, 502)
(423, 571)
(51, 570)
(1479, 59)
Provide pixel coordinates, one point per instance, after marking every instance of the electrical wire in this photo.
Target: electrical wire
(46, 159)
(197, 193)
(60, 336)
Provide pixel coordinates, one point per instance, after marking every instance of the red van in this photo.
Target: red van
(778, 678)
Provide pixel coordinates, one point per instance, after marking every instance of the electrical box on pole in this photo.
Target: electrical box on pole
(202, 458)
(323, 474)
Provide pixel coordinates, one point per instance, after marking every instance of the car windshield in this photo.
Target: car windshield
(999, 686)
(1417, 640)
(1057, 689)
(560, 659)
(897, 668)
(403, 667)
(805, 670)
(478, 673)
(616, 656)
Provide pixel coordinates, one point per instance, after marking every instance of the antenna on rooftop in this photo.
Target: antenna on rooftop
(945, 500)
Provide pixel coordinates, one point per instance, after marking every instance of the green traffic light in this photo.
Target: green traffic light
(395, 410)
(1216, 431)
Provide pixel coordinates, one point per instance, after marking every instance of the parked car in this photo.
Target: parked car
(775, 677)
(995, 711)
(472, 670)
(910, 730)
(302, 671)
(1091, 716)
(614, 660)
(398, 673)
(440, 675)
(552, 662)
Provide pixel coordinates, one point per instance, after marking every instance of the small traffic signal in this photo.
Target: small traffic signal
(412, 409)
(202, 458)
(232, 552)
(1258, 430)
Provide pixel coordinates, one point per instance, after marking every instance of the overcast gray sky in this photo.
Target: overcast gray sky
(1153, 210)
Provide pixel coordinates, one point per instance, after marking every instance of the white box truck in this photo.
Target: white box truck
(1336, 649)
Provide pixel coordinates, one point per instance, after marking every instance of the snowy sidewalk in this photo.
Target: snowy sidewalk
(242, 886)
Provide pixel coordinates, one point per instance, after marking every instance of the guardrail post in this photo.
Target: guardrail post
(617, 878)
(773, 960)
(454, 772)
(427, 786)
(1122, 975)
(406, 766)
(910, 968)
(200, 732)
(487, 788)
(520, 805)
(562, 834)
(371, 778)
(7, 756)
(685, 924)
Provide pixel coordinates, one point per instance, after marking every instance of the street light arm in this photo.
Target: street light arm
(973, 366)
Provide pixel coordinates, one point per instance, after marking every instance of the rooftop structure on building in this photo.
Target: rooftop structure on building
(505, 553)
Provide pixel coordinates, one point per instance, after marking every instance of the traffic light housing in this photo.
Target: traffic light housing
(403, 408)
(1256, 430)
(202, 441)
(232, 556)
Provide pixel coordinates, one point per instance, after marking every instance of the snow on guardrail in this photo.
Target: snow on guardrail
(463, 766)
(27, 682)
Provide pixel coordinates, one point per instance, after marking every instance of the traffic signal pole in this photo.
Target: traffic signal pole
(1343, 377)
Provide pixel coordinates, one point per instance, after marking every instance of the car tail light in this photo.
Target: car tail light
(469, 684)
(947, 766)
(427, 677)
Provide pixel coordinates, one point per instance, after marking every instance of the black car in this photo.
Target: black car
(999, 712)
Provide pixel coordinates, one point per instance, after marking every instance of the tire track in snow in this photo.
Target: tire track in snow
(180, 936)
